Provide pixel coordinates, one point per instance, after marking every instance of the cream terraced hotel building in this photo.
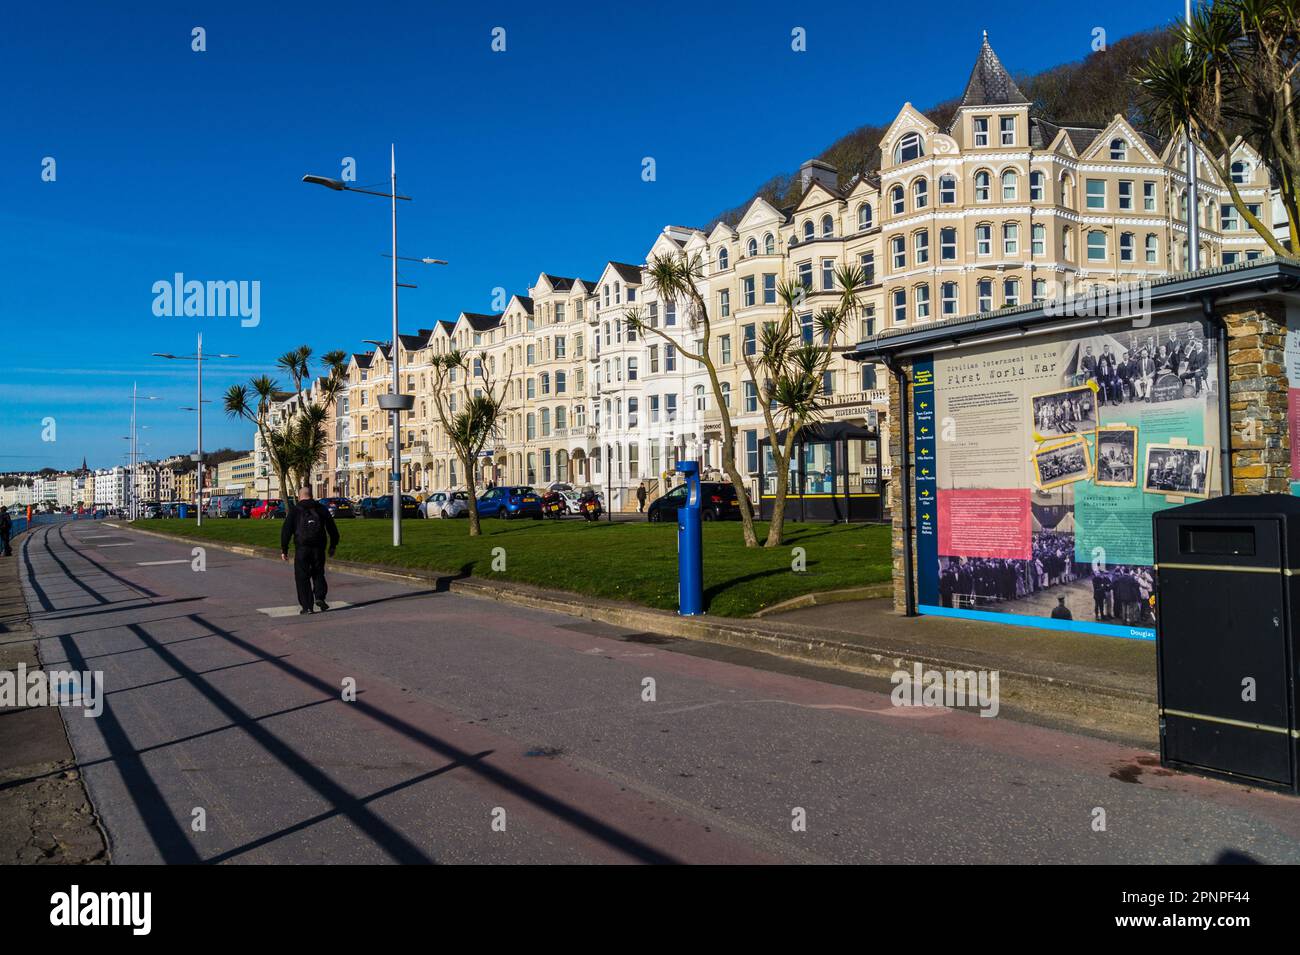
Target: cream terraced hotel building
(1000, 209)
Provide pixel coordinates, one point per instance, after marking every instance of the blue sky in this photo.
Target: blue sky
(170, 160)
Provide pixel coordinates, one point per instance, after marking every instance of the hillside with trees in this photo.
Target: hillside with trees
(1088, 92)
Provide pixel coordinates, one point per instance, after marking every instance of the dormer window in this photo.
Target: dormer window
(1240, 173)
(908, 148)
(1118, 149)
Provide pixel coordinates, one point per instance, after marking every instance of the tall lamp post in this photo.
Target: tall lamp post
(396, 402)
(1193, 192)
(198, 359)
(136, 397)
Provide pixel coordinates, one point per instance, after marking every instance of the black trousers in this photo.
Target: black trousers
(4, 545)
(309, 574)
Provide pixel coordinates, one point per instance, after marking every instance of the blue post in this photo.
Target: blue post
(690, 550)
(183, 511)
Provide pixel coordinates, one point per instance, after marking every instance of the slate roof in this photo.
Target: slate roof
(629, 273)
(481, 322)
(990, 84)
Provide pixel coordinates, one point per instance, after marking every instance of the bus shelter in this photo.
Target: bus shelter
(835, 474)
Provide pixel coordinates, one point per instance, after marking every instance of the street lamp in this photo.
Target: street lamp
(396, 402)
(136, 397)
(198, 359)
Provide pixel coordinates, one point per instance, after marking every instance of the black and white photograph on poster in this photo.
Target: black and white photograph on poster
(1116, 456)
(1182, 469)
(1070, 411)
(1062, 463)
(1146, 365)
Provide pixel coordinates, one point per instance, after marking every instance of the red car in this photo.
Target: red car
(267, 509)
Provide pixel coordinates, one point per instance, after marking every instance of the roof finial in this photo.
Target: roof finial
(986, 36)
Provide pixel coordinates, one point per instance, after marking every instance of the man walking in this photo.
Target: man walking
(6, 528)
(310, 525)
(640, 498)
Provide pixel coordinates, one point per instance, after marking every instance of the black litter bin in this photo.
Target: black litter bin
(1227, 623)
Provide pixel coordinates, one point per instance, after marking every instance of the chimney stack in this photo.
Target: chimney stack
(814, 170)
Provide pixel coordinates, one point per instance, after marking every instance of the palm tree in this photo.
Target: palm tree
(476, 421)
(299, 441)
(675, 278)
(1233, 68)
(787, 370)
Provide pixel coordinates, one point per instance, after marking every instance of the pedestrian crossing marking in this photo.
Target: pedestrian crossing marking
(159, 563)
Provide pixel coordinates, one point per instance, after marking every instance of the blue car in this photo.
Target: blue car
(508, 502)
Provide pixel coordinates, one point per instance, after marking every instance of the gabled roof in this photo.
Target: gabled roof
(990, 84)
(526, 301)
(412, 342)
(558, 282)
(481, 322)
(629, 273)
(363, 358)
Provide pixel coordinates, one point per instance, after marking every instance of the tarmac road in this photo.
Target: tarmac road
(487, 733)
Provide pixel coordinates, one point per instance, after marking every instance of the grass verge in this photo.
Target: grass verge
(636, 562)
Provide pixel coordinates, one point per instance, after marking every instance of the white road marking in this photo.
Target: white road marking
(292, 611)
(159, 563)
(126, 544)
(96, 537)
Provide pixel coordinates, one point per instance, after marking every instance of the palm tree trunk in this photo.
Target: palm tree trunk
(782, 461)
(474, 530)
(777, 527)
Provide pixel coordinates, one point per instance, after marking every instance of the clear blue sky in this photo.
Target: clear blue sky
(172, 161)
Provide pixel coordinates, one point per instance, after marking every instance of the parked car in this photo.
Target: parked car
(151, 510)
(509, 502)
(241, 507)
(718, 502)
(366, 507)
(432, 505)
(456, 505)
(270, 508)
(339, 507)
(383, 507)
(218, 505)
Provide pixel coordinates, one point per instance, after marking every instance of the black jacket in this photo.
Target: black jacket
(290, 527)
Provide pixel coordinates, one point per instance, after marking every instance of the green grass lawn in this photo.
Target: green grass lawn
(624, 561)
